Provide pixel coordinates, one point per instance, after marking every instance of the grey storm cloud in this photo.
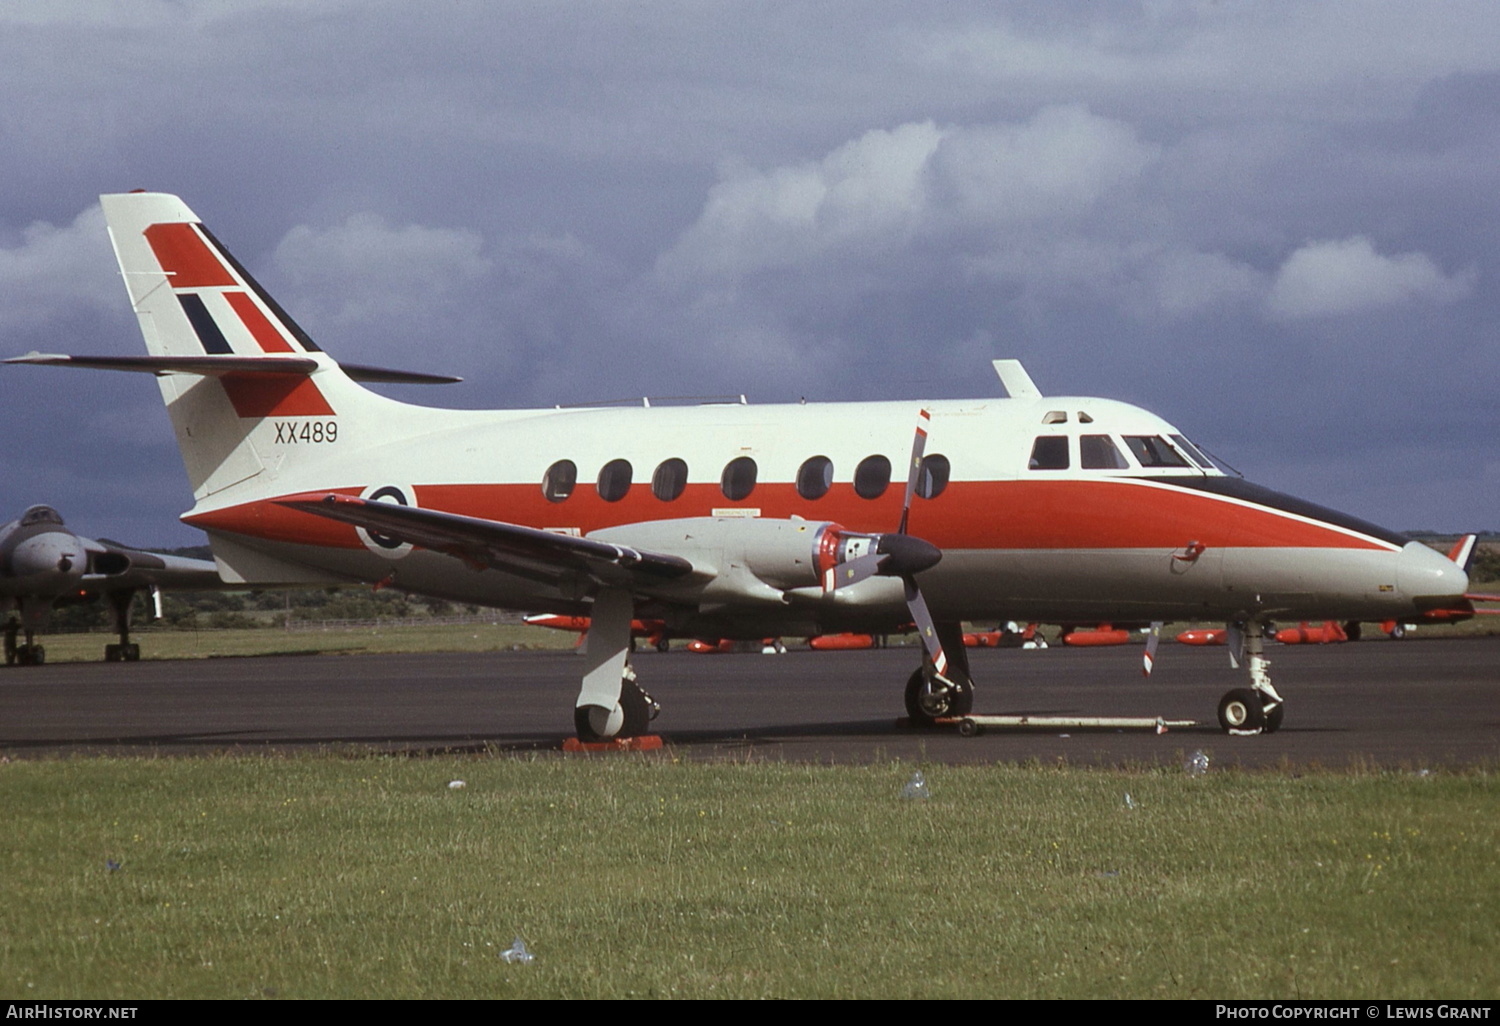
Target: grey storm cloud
(1268, 222)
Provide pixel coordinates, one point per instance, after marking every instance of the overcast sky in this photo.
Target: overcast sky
(1272, 223)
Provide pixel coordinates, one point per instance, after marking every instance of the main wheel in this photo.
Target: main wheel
(923, 705)
(1241, 710)
(630, 718)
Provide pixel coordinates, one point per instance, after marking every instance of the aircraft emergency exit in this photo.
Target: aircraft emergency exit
(729, 520)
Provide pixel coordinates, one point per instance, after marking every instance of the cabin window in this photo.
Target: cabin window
(932, 478)
(614, 480)
(560, 480)
(1056, 417)
(872, 477)
(1084, 418)
(1049, 452)
(1099, 452)
(1153, 451)
(1194, 453)
(669, 480)
(815, 477)
(738, 480)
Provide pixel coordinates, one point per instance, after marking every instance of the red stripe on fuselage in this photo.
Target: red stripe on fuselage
(1102, 514)
(186, 258)
(260, 327)
(270, 519)
(275, 395)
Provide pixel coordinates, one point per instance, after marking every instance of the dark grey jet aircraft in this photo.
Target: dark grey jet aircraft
(42, 564)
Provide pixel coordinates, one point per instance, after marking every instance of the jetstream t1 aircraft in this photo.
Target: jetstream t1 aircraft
(729, 520)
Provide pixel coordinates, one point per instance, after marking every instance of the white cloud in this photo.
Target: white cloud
(52, 273)
(877, 193)
(1348, 275)
(367, 273)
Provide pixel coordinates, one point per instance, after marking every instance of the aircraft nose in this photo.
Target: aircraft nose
(1425, 573)
(47, 557)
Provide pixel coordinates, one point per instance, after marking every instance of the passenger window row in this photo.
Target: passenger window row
(814, 478)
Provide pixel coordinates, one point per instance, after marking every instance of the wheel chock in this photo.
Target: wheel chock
(644, 743)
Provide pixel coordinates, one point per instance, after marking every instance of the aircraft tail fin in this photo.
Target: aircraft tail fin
(232, 364)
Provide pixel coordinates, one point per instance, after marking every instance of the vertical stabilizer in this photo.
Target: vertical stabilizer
(192, 298)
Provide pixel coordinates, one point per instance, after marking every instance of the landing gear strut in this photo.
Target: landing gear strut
(610, 703)
(29, 654)
(1257, 709)
(931, 695)
(125, 651)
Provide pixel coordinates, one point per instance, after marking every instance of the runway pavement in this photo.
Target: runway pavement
(1412, 703)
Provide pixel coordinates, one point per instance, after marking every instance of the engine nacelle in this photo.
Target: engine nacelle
(782, 554)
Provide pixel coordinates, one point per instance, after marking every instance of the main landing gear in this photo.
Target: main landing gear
(28, 654)
(931, 695)
(1257, 709)
(126, 651)
(611, 705)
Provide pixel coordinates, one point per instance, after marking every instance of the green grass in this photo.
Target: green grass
(168, 643)
(368, 877)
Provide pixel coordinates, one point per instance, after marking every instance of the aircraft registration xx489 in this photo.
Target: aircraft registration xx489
(728, 520)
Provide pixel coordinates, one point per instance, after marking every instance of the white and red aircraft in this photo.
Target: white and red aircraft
(728, 520)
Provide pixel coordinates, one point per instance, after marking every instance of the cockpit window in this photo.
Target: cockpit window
(1050, 452)
(1153, 451)
(1099, 452)
(41, 515)
(1193, 452)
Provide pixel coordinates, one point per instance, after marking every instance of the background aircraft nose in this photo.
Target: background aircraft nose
(1425, 572)
(51, 557)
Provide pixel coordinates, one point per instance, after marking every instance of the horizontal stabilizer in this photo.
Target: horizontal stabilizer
(218, 366)
(526, 551)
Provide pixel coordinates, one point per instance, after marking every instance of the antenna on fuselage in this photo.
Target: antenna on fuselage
(1018, 384)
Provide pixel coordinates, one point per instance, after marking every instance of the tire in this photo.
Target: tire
(636, 710)
(1241, 710)
(923, 709)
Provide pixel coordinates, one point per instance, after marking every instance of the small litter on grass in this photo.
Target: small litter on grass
(110, 865)
(1129, 801)
(456, 785)
(517, 953)
(1105, 874)
(916, 787)
(1196, 764)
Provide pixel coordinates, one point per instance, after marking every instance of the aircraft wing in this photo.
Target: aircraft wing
(114, 566)
(525, 551)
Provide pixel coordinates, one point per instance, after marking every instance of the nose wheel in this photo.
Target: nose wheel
(1258, 709)
(930, 697)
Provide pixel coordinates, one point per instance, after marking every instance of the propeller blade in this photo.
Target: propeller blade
(1152, 641)
(914, 471)
(852, 572)
(917, 606)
